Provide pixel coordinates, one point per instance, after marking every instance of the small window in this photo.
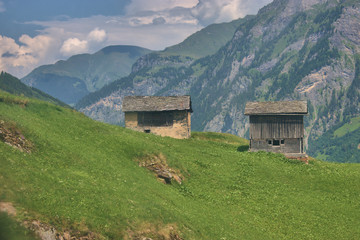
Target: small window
(282, 141)
(269, 142)
(147, 131)
(276, 142)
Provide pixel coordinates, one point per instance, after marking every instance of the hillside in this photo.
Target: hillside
(291, 50)
(13, 85)
(81, 74)
(339, 144)
(84, 178)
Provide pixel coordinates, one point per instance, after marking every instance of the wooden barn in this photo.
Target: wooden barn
(277, 126)
(164, 116)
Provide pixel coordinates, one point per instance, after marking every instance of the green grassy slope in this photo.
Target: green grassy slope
(352, 126)
(83, 174)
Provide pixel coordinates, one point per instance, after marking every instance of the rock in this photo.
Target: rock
(158, 165)
(12, 136)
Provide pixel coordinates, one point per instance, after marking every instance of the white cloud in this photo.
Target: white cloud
(83, 42)
(2, 7)
(158, 21)
(97, 35)
(24, 56)
(204, 12)
(119, 30)
(137, 6)
(74, 46)
(155, 37)
(215, 11)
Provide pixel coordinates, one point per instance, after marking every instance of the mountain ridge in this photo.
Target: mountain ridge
(13, 85)
(206, 41)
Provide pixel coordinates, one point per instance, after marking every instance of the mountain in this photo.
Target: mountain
(68, 176)
(13, 85)
(81, 74)
(290, 50)
(206, 41)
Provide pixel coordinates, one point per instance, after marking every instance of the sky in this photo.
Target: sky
(39, 32)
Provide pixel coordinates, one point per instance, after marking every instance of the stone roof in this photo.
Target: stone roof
(276, 108)
(154, 104)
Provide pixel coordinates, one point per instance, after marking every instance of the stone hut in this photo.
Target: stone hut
(164, 116)
(277, 126)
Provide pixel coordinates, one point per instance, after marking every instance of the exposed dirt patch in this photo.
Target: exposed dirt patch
(8, 208)
(302, 157)
(11, 135)
(158, 165)
(48, 232)
(151, 232)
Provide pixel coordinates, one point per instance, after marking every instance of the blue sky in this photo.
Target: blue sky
(38, 32)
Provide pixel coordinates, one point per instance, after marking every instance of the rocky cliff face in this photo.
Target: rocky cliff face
(292, 49)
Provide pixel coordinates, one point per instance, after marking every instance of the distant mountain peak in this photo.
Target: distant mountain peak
(69, 80)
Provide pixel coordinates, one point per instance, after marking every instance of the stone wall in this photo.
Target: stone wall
(181, 127)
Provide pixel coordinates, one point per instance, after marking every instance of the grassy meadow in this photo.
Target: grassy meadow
(348, 127)
(84, 176)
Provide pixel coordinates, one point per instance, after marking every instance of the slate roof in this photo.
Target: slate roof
(154, 104)
(276, 108)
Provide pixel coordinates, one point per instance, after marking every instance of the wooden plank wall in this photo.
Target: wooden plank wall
(292, 145)
(282, 126)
